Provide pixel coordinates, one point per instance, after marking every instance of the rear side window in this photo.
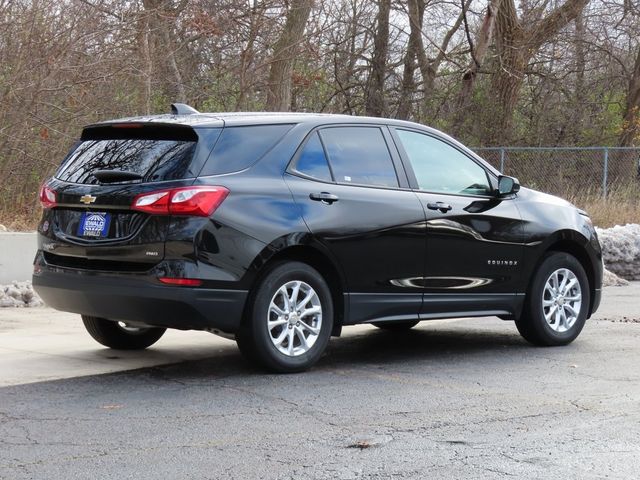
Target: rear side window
(240, 147)
(312, 161)
(154, 160)
(359, 155)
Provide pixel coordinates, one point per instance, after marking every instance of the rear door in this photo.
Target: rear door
(355, 199)
(93, 223)
(474, 239)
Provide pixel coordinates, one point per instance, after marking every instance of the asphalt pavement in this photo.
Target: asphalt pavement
(455, 399)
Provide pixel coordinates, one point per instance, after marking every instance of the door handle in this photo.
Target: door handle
(324, 197)
(443, 207)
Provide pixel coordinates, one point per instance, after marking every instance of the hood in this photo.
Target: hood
(531, 195)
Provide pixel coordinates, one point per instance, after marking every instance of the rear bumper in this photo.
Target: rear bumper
(127, 298)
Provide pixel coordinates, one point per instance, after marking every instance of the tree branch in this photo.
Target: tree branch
(540, 32)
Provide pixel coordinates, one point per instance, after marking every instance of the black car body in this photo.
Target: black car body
(348, 196)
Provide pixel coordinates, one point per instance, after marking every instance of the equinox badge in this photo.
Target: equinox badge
(87, 199)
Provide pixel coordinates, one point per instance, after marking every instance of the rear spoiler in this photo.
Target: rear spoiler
(139, 131)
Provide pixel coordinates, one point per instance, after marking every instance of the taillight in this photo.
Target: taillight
(196, 201)
(47, 197)
(156, 202)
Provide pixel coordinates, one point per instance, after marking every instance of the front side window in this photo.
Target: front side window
(439, 167)
(359, 155)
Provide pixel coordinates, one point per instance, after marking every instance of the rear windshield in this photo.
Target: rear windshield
(154, 160)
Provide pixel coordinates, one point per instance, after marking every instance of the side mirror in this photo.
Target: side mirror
(507, 185)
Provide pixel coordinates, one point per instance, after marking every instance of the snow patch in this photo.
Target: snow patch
(19, 294)
(621, 250)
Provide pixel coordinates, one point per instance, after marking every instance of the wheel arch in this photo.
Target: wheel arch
(315, 257)
(574, 244)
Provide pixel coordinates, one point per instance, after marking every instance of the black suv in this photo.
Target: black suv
(279, 229)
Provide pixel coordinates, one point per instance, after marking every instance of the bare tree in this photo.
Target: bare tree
(631, 115)
(375, 99)
(577, 123)
(160, 17)
(284, 52)
(429, 66)
(518, 40)
(255, 21)
(408, 88)
(461, 68)
(478, 53)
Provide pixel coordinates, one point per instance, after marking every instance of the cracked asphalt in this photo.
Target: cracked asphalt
(464, 399)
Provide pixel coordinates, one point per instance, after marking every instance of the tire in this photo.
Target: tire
(111, 334)
(541, 299)
(396, 326)
(279, 347)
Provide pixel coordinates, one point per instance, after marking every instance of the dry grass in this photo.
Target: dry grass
(621, 206)
(20, 218)
(19, 224)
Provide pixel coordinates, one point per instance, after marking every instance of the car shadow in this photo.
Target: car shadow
(420, 345)
(370, 348)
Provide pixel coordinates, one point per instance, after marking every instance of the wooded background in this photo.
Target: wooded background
(490, 72)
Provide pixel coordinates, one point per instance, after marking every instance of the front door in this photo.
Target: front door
(474, 238)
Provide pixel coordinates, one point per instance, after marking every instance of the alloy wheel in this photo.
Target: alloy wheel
(561, 300)
(294, 318)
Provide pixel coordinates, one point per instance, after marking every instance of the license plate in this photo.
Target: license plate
(94, 224)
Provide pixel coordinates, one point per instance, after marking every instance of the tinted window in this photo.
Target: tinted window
(439, 167)
(312, 160)
(241, 147)
(359, 155)
(156, 160)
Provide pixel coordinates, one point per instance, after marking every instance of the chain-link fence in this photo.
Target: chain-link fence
(569, 171)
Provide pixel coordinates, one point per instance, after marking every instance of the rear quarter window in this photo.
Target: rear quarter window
(240, 147)
(312, 160)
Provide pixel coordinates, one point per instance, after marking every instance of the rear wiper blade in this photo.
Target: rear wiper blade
(110, 176)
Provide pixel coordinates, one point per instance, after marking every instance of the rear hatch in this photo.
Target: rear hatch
(92, 224)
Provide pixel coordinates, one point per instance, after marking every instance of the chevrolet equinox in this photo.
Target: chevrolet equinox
(277, 230)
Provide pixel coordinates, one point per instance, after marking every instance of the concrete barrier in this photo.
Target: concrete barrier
(17, 251)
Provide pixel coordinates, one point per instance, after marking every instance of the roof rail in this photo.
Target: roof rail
(182, 109)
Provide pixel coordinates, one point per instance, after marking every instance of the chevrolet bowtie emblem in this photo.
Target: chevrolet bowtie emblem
(87, 199)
